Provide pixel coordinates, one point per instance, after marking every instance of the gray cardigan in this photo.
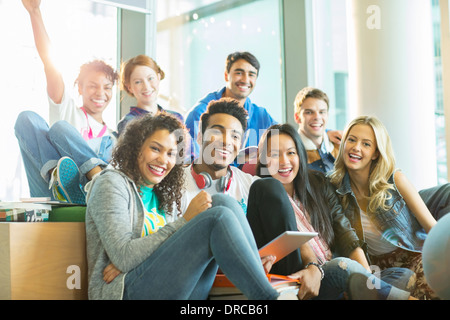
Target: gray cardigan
(114, 222)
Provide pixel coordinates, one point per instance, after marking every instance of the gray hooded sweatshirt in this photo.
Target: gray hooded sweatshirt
(114, 222)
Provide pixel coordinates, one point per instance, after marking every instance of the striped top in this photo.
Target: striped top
(319, 246)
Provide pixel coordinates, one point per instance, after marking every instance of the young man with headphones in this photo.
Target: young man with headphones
(222, 132)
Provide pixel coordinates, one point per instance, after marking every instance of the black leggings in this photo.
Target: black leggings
(269, 214)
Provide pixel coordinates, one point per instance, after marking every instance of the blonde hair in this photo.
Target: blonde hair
(128, 67)
(381, 169)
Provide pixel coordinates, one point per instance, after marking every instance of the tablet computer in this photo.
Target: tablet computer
(285, 243)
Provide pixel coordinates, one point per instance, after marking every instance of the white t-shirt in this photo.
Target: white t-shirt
(83, 122)
(375, 243)
(239, 187)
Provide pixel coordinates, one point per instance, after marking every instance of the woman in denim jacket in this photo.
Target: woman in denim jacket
(386, 211)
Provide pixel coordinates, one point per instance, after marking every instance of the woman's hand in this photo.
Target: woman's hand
(31, 5)
(110, 273)
(200, 203)
(268, 262)
(310, 280)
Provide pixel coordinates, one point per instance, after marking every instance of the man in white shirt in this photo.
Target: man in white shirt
(222, 131)
(78, 143)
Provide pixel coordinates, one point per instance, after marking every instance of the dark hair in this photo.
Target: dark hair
(308, 184)
(128, 148)
(247, 56)
(97, 66)
(224, 105)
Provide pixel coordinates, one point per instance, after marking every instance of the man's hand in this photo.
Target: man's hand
(200, 203)
(335, 136)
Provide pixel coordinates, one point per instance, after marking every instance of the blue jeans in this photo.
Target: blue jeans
(41, 148)
(185, 265)
(391, 283)
(270, 213)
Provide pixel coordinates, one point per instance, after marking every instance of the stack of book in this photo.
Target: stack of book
(24, 211)
(224, 289)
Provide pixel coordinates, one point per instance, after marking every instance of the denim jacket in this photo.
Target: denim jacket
(398, 225)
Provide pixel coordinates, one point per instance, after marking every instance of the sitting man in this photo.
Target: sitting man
(223, 127)
(222, 133)
(311, 114)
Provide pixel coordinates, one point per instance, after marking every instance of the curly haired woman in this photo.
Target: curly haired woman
(137, 238)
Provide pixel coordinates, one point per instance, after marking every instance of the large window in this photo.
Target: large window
(80, 30)
(195, 37)
(440, 117)
(330, 68)
(329, 56)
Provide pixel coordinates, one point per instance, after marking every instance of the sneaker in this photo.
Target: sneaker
(65, 182)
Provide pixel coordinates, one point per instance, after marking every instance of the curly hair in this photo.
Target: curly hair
(97, 66)
(128, 148)
(224, 105)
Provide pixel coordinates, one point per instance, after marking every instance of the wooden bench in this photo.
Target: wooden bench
(43, 260)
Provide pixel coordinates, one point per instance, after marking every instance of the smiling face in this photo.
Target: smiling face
(241, 80)
(221, 141)
(360, 148)
(283, 161)
(157, 157)
(144, 86)
(96, 90)
(312, 119)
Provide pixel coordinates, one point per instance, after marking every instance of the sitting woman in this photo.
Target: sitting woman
(292, 197)
(381, 204)
(140, 77)
(139, 246)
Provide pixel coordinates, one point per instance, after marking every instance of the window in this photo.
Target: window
(195, 37)
(330, 65)
(330, 57)
(80, 31)
(440, 117)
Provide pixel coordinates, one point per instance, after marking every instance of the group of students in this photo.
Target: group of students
(158, 227)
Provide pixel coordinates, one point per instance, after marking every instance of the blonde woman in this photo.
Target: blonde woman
(382, 205)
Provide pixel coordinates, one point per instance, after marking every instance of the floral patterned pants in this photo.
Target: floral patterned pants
(411, 260)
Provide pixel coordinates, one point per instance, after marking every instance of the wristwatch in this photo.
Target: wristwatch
(318, 266)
